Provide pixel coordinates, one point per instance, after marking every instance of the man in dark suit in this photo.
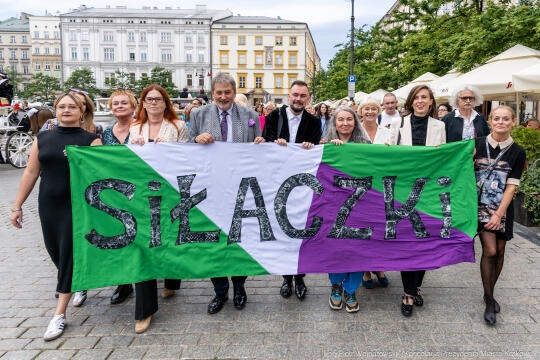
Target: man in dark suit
(228, 122)
(293, 124)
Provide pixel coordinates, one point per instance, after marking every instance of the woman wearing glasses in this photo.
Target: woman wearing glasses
(464, 122)
(156, 121)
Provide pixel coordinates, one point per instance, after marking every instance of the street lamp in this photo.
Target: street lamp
(350, 83)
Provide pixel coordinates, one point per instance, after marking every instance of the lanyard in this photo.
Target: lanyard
(498, 156)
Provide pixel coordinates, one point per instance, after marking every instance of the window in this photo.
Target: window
(108, 77)
(223, 40)
(47, 65)
(142, 36)
(292, 78)
(25, 54)
(108, 36)
(292, 40)
(13, 54)
(241, 40)
(12, 39)
(47, 51)
(189, 80)
(84, 35)
(38, 66)
(201, 81)
(45, 35)
(108, 54)
(132, 77)
(25, 69)
(57, 51)
(36, 34)
(86, 54)
(131, 36)
(25, 38)
(57, 35)
(166, 55)
(278, 81)
(57, 65)
(36, 51)
(201, 56)
(1, 55)
(279, 40)
(72, 36)
(242, 58)
(200, 39)
(278, 58)
(73, 53)
(165, 37)
(292, 59)
(259, 58)
(224, 58)
(131, 54)
(258, 81)
(143, 56)
(258, 40)
(188, 38)
(189, 56)
(241, 81)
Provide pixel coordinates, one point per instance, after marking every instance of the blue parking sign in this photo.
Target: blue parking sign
(352, 78)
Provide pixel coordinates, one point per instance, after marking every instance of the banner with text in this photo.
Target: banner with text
(182, 211)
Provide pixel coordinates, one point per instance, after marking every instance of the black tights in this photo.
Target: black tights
(492, 261)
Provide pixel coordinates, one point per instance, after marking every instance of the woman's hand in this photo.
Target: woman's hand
(16, 219)
(158, 139)
(138, 140)
(336, 142)
(281, 142)
(494, 222)
(323, 141)
(258, 140)
(307, 145)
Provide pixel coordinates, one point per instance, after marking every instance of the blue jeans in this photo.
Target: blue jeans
(350, 281)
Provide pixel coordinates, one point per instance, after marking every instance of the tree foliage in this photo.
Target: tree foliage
(82, 79)
(433, 35)
(42, 88)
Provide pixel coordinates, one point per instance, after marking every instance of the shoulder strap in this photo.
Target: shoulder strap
(379, 118)
(399, 132)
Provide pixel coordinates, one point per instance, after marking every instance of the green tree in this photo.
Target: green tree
(160, 76)
(42, 87)
(120, 80)
(82, 79)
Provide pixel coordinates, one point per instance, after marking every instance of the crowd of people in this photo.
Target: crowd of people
(498, 163)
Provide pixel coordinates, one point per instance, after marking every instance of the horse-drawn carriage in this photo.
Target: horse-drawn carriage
(17, 131)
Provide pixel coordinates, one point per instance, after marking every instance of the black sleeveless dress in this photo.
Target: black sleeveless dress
(55, 197)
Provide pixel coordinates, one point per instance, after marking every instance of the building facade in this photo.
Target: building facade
(15, 46)
(46, 45)
(135, 41)
(264, 55)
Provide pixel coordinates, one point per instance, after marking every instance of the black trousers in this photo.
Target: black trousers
(289, 278)
(221, 284)
(146, 297)
(412, 280)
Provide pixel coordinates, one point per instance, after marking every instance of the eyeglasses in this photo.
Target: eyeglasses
(150, 100)
(467, 98)
(78, 91)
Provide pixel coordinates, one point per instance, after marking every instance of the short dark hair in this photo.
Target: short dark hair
(445, 105)
(184, 89)
(299, 83)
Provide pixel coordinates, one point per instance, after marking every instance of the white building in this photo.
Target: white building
(135, 41)
(265, 55)
(46, 45)
(15, 47)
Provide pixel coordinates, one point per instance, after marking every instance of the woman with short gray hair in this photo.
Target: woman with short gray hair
(464, 122)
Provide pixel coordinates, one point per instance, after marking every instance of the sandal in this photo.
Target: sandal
(406, 309)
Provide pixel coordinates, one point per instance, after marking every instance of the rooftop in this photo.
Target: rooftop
(255, 20)
(14, 24)
(200, 12)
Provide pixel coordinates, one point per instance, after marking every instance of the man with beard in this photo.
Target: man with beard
(293, 124)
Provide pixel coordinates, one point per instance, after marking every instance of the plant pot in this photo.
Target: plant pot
(521, 214)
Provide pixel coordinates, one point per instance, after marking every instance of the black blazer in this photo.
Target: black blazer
(454, 126)
(309, 129)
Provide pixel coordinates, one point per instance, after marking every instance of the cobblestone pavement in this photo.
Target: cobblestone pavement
(449, 325)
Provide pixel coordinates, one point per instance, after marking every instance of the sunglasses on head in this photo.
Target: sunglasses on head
(78, 91)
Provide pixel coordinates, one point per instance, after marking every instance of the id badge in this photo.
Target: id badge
(494, 185)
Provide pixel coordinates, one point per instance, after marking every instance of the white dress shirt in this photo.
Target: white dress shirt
(229, 123)
(294, 123)
(468, 126)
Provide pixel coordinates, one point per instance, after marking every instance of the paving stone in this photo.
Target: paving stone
(235, 352)
(40, 344)
(56, 355)
(92, 354)
(11, 333)
(164, 352)
(20, 355)
(80, 343)
(13, 344)
(115, 341)
(127, 354)
(200, 352)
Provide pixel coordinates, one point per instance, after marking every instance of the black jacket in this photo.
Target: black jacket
(6, 91)
(309, 129)
(454, 126)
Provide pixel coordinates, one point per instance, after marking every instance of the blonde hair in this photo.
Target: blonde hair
(241, 99)
(87, 121)
(127, 93)
(506, 107)
(369, 102)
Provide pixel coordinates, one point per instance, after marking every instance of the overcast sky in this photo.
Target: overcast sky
(329, 20)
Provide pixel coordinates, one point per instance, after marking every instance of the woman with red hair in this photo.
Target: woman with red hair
(156, 121)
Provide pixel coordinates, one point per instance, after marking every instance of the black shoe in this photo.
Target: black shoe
(418, 300)
(300, 288)
(406, 309)
(489, 313)
(217, 303)
(496, 305)
(239, 297)
(121, 293)
(286, 289)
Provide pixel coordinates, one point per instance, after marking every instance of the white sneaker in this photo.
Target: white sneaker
(79, 298)
(55, 328)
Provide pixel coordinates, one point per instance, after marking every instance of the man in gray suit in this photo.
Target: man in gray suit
(225, 121)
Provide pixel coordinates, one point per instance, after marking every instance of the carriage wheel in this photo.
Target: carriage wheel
(18, 148)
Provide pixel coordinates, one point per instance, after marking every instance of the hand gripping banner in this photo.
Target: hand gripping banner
(182, 211)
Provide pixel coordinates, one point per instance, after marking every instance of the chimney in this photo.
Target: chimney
(200, 7)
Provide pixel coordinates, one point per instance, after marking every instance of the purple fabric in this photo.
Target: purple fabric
(406, 252)
(223, 124)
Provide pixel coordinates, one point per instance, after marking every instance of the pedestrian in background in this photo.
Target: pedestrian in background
(442, 110)
(464, 122)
